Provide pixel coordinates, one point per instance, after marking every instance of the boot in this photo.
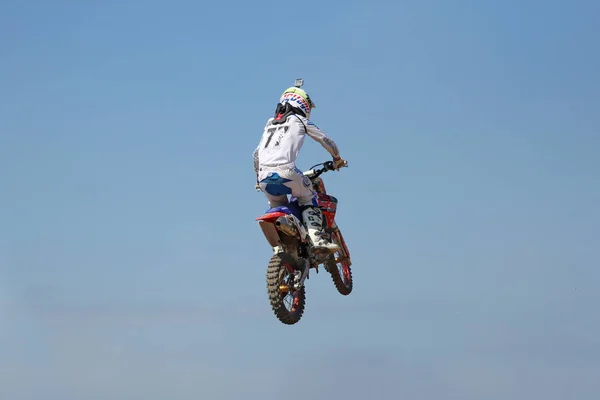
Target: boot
(313, 221)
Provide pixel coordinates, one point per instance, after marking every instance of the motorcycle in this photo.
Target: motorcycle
(293, 256)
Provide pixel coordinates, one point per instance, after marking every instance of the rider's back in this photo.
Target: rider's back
(281, 142)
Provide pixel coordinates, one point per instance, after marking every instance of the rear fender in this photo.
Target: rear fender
(267, 224)
(270, 232)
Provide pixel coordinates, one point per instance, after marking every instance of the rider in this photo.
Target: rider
(275, 160)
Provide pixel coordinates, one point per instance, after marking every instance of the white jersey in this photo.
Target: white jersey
(281, 143)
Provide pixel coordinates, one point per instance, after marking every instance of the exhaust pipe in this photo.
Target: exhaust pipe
(284, 226)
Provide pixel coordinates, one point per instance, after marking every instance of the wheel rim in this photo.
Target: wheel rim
(342, 264)
(346, 273)
(287, 291)
(343, 270)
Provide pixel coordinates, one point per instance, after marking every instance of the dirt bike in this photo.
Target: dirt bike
(294, 257)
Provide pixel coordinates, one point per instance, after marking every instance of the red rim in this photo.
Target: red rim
(344, 270)
(346, 273)
(343, 267)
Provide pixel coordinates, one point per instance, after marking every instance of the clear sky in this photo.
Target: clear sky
(131, 266)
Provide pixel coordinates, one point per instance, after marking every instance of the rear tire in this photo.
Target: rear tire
(280, 281)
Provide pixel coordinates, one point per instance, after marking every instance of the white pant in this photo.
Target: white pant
(277, 182)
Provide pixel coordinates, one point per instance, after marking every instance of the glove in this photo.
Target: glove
(257, 187)
(339, 163)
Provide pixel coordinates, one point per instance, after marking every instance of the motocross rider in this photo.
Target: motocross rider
(275, 160)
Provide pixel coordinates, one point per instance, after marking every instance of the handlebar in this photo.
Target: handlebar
(313, 173)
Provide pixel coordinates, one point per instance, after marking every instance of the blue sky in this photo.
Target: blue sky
(131, 266)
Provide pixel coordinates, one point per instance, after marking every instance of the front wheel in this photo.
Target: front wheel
(338, 265)
(287, 303)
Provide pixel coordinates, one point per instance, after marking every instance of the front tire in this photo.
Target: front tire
(280, 285)
(338, 266)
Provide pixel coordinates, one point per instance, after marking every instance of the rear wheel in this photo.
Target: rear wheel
(287, 303)
(338, 266)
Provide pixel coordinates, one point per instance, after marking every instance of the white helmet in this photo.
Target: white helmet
(298, 98)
